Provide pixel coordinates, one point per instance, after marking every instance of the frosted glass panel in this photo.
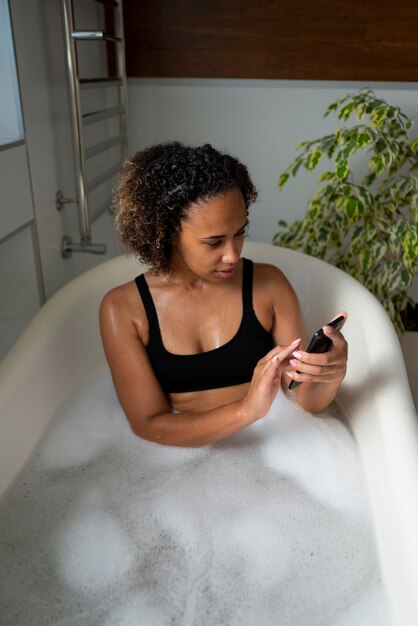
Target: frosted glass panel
(11, 127)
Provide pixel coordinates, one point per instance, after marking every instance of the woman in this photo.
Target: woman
(200, 345)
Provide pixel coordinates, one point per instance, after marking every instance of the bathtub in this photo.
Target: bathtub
(61, 348)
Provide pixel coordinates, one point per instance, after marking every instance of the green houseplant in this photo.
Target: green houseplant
(367, 227)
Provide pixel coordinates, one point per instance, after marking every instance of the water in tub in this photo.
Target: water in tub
(270, 527)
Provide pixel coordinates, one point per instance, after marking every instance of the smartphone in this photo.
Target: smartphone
(320, 342)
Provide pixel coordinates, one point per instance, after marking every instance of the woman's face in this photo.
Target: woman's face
(210, 241)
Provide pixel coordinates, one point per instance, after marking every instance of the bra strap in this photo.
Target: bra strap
(247, 285)
(149, 306)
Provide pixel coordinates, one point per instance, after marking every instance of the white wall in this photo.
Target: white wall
(260, 121)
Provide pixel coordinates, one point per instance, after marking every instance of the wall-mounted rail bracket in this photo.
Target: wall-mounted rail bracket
(60, 200)
(68, 247)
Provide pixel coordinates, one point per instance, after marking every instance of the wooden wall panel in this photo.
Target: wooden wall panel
(185, 9)
(276, 39)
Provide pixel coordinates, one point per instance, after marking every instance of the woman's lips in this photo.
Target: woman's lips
(227, 273)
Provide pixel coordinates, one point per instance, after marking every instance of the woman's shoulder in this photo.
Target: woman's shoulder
(269, 276)
(272, 288)
(118, 295)
(122, 303)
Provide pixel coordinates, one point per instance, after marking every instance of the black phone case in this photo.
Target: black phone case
(320, 343)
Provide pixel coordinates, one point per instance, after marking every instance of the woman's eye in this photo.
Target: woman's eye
(238, 235)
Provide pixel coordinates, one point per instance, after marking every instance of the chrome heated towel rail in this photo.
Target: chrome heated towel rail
(79, 120)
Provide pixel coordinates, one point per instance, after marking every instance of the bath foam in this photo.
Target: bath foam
(92, 551)
(270, 526)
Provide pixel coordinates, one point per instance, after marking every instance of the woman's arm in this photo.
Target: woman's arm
(146, 406)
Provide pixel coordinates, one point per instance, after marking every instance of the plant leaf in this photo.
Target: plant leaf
(327, 176)
(342, 170)
(332, 107)
(351, 209)
(314, 158)
(346, 111)
(357, 240)
(283, 180)
(363, 139)
(296, 166)
(365, 258)
(387, 159)
(406, 278)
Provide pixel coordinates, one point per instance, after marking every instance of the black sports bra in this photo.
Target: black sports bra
(230, 364)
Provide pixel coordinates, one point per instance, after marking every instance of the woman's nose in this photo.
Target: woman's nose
(231, 253)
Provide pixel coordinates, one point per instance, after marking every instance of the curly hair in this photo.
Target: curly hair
(158, 185)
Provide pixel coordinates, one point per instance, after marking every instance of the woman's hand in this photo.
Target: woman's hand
(328, 367)
(266, 380)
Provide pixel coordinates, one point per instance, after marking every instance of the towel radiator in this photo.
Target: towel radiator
(80, 120)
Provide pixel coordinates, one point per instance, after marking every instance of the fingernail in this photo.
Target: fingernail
(295, 341)
(290, 374)
(298, 355)
(275, 358)
(293, 362)
(327, 330)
